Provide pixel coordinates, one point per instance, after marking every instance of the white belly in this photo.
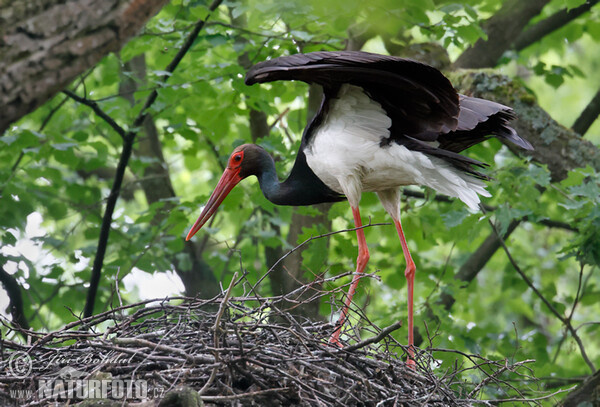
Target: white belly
(346, 154)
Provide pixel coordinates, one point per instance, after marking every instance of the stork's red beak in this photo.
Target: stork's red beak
(229, 179)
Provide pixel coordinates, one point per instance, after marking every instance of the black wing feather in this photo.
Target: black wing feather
(414, 94)
(424, 107)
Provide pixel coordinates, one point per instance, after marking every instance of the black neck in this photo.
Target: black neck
(302, 187)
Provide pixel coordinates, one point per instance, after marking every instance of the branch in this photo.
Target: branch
(308, 241)
(99, 112)
(178, 57)
(111, 202)
(544, 27)
(374, 339)
(128, 139)
(489, 208)
(584, 392)
(34, 69)
(551, 307)
(475, 263)
(588, 116)
(501, 28)
(559, 148)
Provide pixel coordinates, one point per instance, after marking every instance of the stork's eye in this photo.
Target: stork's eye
(236, 159)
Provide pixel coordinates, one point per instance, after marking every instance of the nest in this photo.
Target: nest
(223, 351)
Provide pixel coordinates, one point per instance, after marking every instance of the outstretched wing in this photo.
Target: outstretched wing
(426, 113)
(413, 94)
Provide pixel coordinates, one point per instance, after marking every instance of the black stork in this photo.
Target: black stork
(384, 122)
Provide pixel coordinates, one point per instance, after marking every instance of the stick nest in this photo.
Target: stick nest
(221, 352)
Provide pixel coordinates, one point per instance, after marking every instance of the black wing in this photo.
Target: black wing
(412, 93)
(427, 113)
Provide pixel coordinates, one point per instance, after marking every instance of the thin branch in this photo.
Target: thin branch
(176, 60)
(99, 112)
(216, 329)
(469, 270)
(551, 307)
(311, 239)
(128, 139)
(527, 400)
(548, 25)
(489, 208)
(111, 203)
(588, 116)
(374, 339)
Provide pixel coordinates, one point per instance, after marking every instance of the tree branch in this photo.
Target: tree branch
(176, 60)
(128, 140)
(588, 116)
(99, 112)
(560, 148)
(475, 263)
(566, 321)
(501, 28)
(111, 202)
(544, 27)
(32, 71)
(582, 395)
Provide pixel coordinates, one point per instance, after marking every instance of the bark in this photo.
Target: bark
(38, 59)
(199, 280)
(502, 29)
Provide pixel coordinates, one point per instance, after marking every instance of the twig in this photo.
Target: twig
(216, 328)
(128, 139)
(99, 112)
(279, 117)
(244, 395)
(311, 239)
(524, 400)
(552, 309)
(374, 339)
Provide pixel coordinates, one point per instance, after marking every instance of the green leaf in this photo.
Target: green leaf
(573, 3)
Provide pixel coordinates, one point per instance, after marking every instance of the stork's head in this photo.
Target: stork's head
(244, 161)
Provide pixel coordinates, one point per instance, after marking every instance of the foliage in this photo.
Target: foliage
(56, 167)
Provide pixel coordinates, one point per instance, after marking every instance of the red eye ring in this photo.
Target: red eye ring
(236, 159)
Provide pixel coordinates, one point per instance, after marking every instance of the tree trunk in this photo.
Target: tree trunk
(45, 44)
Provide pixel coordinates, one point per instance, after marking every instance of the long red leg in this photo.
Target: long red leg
(361, 263)
(410, 278)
